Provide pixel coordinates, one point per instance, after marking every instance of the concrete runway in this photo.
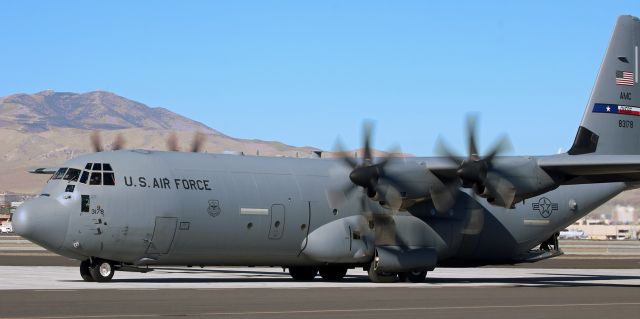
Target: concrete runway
(58, 292)
(594, 280)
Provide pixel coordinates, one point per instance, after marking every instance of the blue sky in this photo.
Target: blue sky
(305, 72)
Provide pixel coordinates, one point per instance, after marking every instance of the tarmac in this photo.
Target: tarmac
(590, 284)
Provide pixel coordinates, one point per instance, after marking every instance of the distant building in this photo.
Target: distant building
(4, 218)
(13, 197)
(625, 215)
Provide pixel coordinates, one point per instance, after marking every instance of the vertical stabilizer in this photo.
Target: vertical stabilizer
(611, 122)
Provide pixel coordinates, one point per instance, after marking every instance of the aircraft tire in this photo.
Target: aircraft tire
(416, 276)
(382, 278)
(102, 271)
(85, 271)
(303, 273)
(333, 273)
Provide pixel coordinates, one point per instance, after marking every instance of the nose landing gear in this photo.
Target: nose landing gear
(97, 270)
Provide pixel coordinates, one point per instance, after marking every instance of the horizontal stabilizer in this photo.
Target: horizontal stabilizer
(581, 169)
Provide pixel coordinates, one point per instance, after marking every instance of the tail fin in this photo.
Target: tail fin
(611, 122)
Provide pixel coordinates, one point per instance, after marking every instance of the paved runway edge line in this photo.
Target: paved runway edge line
(67, 278)
(359, 310)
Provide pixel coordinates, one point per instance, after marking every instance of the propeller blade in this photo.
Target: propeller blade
(391, 196)
(96, 141)
(398, 184)
(443, 150)
(479, 173)
(198, 141)
(385, 230)
(172, 142)
(344, 155)
(475, 218)
(118, 143)
(337, 197)
(367, 130)
(444, 196)
(389, 157)
(501, 146)
(502, 187)
(367, 174)
(471, 136)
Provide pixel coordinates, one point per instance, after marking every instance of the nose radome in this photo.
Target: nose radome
(43, 221)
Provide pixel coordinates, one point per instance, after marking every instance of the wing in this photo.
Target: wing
(44, 170)
(585, 169)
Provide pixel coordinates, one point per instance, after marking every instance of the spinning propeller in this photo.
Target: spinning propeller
(96, 142)
(196, 144)
(371, 174)
(478, 172)
(172, 142)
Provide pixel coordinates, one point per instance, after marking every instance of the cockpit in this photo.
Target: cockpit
(93, 174)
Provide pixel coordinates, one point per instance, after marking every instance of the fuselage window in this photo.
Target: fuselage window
(97, 166)
(59, 173)
(108, 179)
(72, 175)
(96, 178)
(106, 167)
(88, 166)
(84, 177)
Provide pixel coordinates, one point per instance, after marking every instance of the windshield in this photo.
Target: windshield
(59, 173)
(72, 175)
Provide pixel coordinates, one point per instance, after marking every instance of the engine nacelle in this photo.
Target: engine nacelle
(401, 259)
(346, 240)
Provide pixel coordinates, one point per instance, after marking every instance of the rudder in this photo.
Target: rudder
(611, 121)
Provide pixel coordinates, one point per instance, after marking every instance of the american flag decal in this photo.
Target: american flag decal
(624, 78)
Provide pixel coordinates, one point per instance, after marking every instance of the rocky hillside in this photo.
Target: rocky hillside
(97, 110)
(48, 128)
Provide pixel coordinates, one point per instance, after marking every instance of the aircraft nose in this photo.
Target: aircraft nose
(43, 221)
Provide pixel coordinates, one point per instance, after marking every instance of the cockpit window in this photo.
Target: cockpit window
(72, 175)
(84, 177)
(60, 173)
(96, 178)
(108, 179)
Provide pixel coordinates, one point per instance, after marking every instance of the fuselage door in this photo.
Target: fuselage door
(163, 234)
(277, 221)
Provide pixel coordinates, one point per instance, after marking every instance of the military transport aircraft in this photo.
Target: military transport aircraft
(133, 210)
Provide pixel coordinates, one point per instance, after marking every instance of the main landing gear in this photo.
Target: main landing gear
(97, 270)
(377, 276)
(337, 273)
(308, 273)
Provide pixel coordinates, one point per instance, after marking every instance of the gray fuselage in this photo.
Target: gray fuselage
(171, 208)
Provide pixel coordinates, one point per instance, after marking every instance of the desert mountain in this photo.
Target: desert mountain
(48, 128)
(97, 110)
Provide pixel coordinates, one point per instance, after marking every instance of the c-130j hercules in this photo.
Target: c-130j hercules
(133, 210)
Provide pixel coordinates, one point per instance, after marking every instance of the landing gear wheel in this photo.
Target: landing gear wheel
(102, 271)
(415, 276)
(302, 273)
(85, 271)
(381, 277)
(333, 273)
